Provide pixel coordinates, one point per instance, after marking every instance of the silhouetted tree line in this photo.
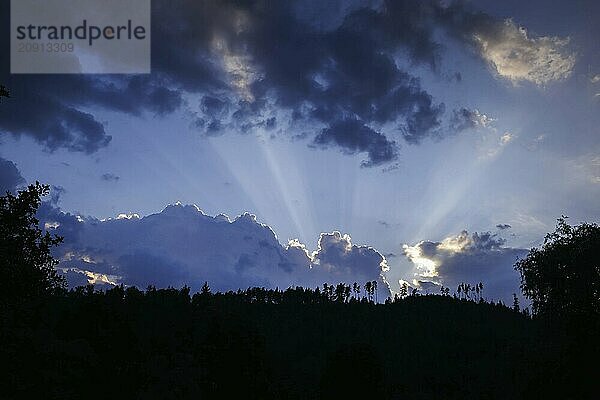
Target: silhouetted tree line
(261, 343)
(335, 341)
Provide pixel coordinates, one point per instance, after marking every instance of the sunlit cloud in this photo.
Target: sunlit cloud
(517, 56)
(507, 138)
(128, 216)
(471, 258)
(426, 267)
(51, 225)
(93, 278)
(456, 244)
(239, 67)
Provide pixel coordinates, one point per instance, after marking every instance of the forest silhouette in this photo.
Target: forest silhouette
(335, 341)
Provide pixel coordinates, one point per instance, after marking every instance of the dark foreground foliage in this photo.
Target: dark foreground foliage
(562, 277)
(26, 264)
(297, 344)
(330, 343)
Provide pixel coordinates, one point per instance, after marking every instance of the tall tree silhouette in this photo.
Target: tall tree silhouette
(516, 306)
(562, 277)
(26, 264)
(374, 288)
(404, 290)
(369, 290)
(356, 289)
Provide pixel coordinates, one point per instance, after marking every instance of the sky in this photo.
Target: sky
(284, 143)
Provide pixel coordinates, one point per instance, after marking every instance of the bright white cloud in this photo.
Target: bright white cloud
(506, 138)
(238, 67)
(51, 225)
(426, 267)
(456, 244)
(128, 216)
(481, 120)
(516, 56)
(80, 276)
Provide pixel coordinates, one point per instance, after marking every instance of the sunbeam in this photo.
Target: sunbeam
(292, 186)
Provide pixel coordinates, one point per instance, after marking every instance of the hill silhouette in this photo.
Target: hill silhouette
(298, 343)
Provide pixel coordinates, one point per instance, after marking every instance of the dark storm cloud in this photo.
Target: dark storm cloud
(213, 105)
(57, 110)
(247, 57)
(10, 177)
(480, 257)
(110, 177)
(50, 108)
(52, 123)
(273, 56)
(347, 71)
(250, 62)
(354, 137)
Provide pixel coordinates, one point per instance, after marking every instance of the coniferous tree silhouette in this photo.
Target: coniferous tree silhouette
(356, 290)
(369, 290)
(269, 343)
(516, 306)
(403, 290)
(374, 288)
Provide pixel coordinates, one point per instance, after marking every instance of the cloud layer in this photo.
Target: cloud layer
(516, 56)
(10, 176)
(479, 257)
(240, 66)
(183, 246)
(354, 137)
(465, 119)
(511, 51)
